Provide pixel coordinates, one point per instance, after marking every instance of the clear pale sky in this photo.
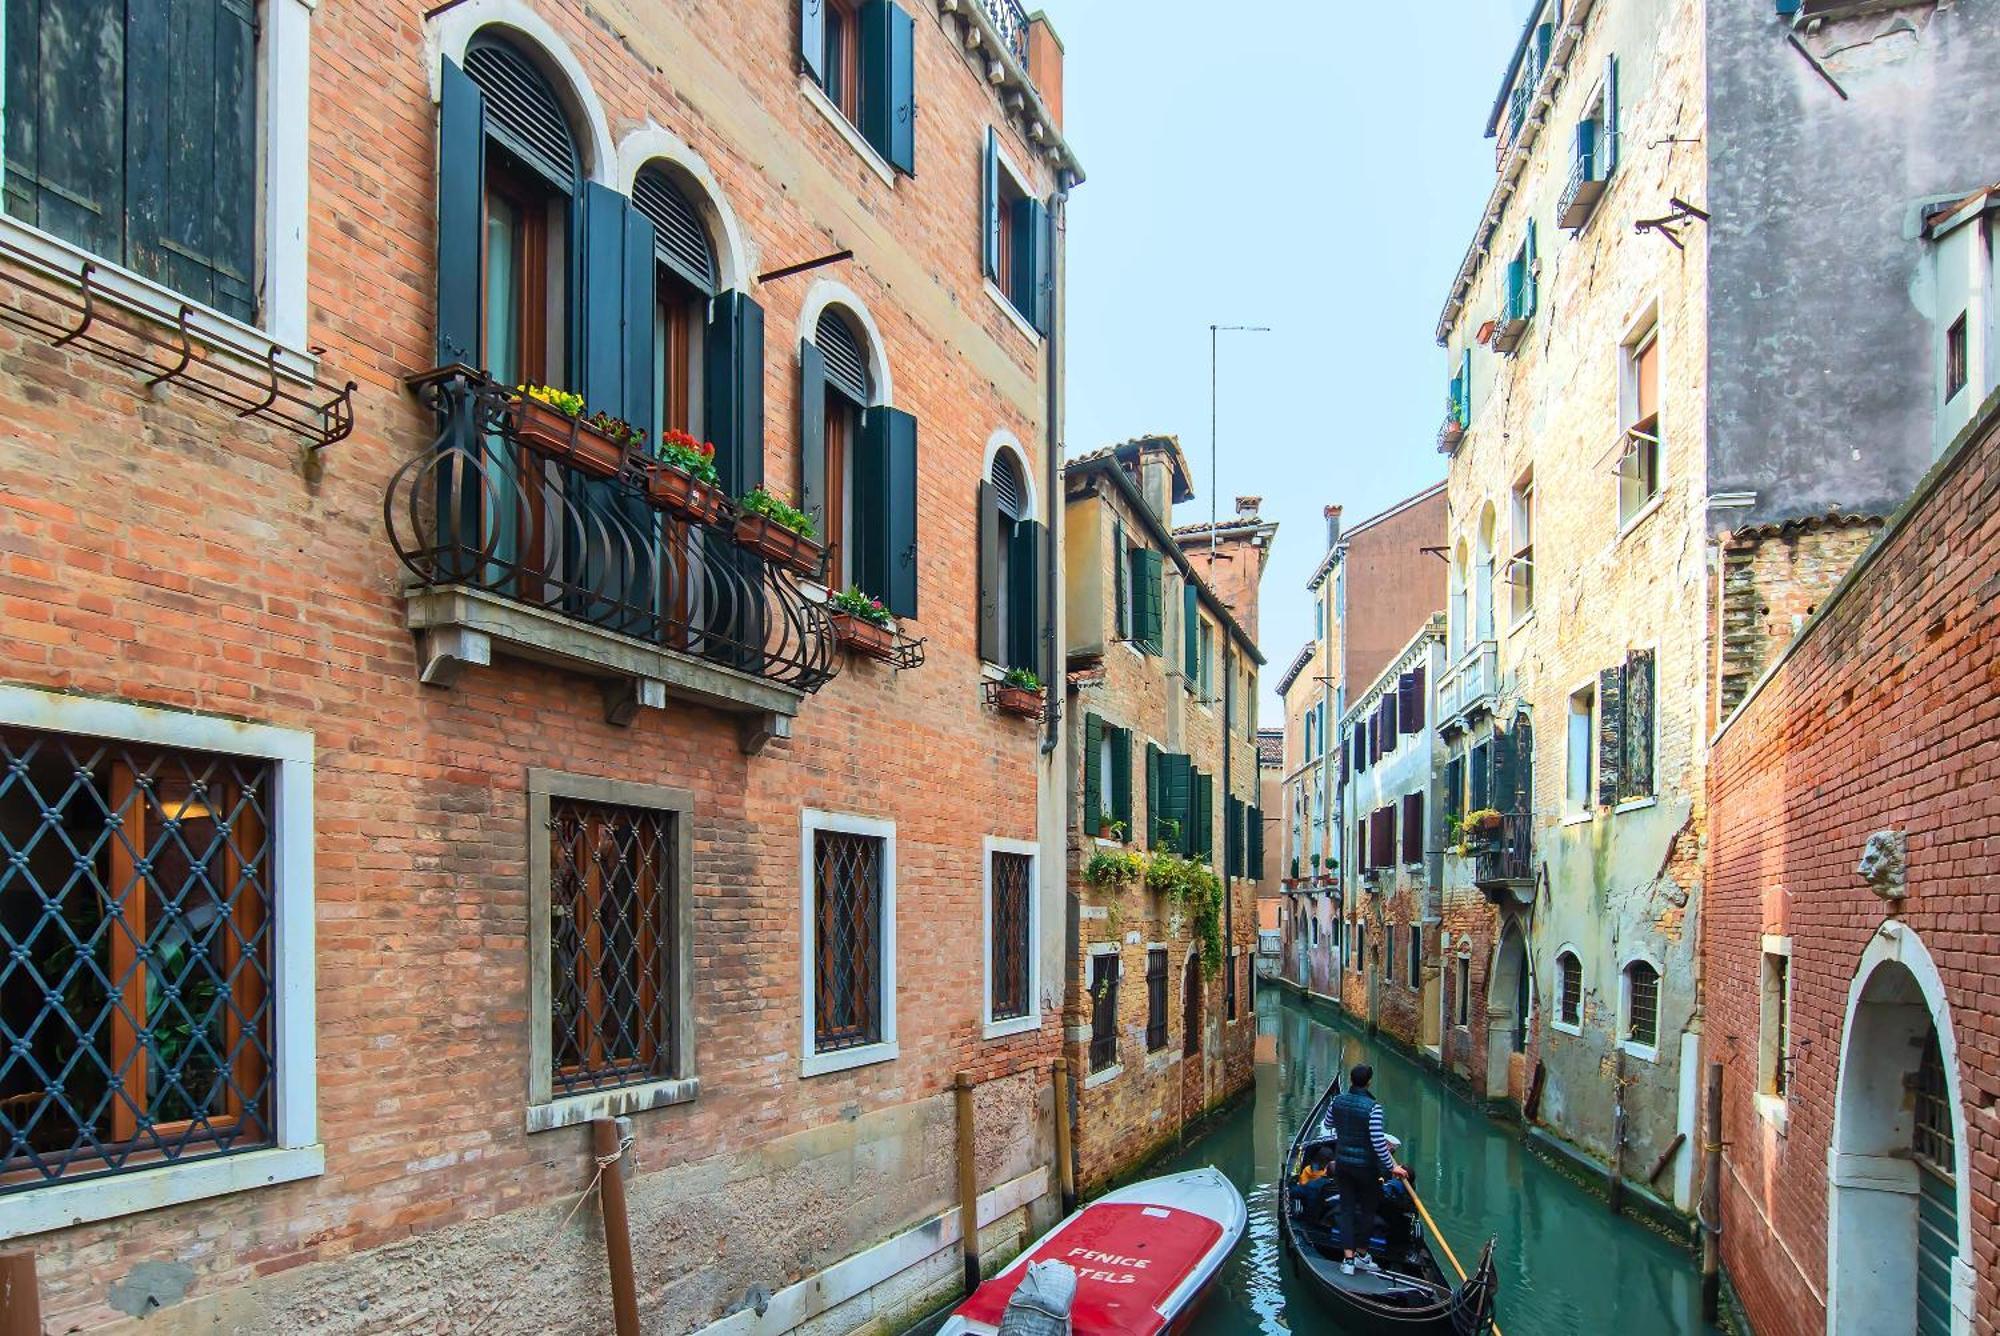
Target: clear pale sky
(1312, 165)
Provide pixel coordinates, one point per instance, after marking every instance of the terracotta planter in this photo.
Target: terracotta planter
(556, 433)
(1490, 822)
(1017, 700)
(678, 493)
(863, 636)
(774, 542)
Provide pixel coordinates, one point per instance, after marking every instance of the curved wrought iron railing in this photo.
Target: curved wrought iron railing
(1508, 854)
(482, 508)
(1012, 22)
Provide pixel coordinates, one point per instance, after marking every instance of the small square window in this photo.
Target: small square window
(1954, 358)
(1774, 1048)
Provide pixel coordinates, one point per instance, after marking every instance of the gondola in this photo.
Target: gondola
(1410, 1295)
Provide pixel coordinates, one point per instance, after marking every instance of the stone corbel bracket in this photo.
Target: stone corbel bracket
(990, 58)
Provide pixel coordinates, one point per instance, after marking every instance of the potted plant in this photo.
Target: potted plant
(778, 532)
(1114, 867)
(1108, 827)
(1484, 819)
(1019, 692)
(552, 420)
(861, 622)
(682, 478)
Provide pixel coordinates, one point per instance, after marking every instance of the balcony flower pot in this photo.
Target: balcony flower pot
(548, 428)
(1010, 699)
(775, 542)
(857, 633)
(681, 494)
(1486, 820)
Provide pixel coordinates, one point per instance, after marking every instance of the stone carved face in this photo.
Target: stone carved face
(1882, 864)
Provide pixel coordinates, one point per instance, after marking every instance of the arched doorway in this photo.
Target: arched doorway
(1507, 1004)
(1898, 1218)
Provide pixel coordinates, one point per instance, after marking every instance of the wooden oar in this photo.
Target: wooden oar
(1443, 1242)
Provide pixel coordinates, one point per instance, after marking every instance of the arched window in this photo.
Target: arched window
(1642, 1005)
(857, 456)
(1569, 988)
(1012, 563)
(1482, 574)
(684, 279)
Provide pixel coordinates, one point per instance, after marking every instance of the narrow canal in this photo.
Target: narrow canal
(1566, 1264)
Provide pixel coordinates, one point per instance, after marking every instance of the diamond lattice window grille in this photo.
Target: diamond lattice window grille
(1010, 936)
(847, 940)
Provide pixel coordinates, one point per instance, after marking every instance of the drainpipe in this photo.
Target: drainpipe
(1052, 349)
(1228, 891)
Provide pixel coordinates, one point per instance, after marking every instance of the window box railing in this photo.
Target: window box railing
(1585, 186)
(1014, 698)
(774, 542)
(1456, 415)
(1517, 309)
(1504, 859)
(875, 640)
(643, 570)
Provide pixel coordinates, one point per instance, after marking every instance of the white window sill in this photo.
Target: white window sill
(1774, 1110)
(60, 1205)
(1013, 313)
(1096, 1079)
(64, 262)
(1521, 621)
(1640, 515)
(574, 1109)
(1017, 1025)
(1564, 1027)
(846, 1059)
(1579, 818)
(816, 96)
(1643, 1052)
(1635, 805)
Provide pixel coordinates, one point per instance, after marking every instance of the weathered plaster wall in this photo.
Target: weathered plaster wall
(1821, 371)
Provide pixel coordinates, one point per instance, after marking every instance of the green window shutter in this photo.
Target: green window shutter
(1609, 149)
(461, 206)
(812, 430)
(1122, 626)
(989, 182)
(1121, 780)
(1256, 834)
(1190, 634)
(1040, 269)
(812, 38)
(1529, 275)
(888, 84)
(990, 601)
(885, 509)
(1093, 777)
(1204, 817)
(1176, 776)
(733, 411)
(1638, 776)
(1147, 599)
(1610, 734)
(66, 119)
(1025, 566)
(1153, 812)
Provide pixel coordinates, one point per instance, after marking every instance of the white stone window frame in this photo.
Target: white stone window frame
(1019, 180)
(1771, 1107)
(1001, 1029)
(1556, 1021)
(545, 1110)
(1572, 814)
(886, 1049)
(284, 116)
(1643, 1052)
(296, 1152)
(1092, 1079)
(817, 99)
(1520, 518)
(1648, 320)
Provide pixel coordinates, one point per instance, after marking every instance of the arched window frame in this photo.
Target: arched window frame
(1643, 1051)
(1568, 966)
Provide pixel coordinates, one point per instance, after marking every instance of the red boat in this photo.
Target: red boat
(1144, 1256)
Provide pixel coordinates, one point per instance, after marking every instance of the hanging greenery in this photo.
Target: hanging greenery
(1114, 867)
(1197, 891)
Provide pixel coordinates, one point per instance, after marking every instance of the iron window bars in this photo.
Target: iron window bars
(1156, 999)
(1103, 1012)
(1011, 943)
(847, 940)
(1932, 1137)
(1643, 1022)
(484, 507)
(1569, 985)
(77, 310)
(611, 881)
(136, 982)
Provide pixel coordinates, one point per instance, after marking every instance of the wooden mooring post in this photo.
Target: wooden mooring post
(609, 1148)
(968, 1182)
(1615, 1188)
(1711, 1197)
(20, 1297)
(1066, 1166)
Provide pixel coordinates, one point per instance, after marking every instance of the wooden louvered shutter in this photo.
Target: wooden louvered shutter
(1610, 734)
(1528, 275)
(1506, 776)
(682, 242)
(1638, 776)
(734, 378)
(1609, 149)
(1413, 827)
(1190, 634)
(1256, 835)
(889, 85)
(885, 508)
(1040, 234)
(812, 38)
(1147, 600)
(1093, 775)
(1176, 782)
(1121, 780)
(990, 205)
(1121, 624)
(990, 593)
(461, 206)
(1153, 812)
(812, 433)
(846, 358)
(65, 123)
(523, 114)
(1408, 715)
(1204, 818)
(1415, 721)
(1025, 568)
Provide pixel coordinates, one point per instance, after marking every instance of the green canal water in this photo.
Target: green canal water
(1566, 1264)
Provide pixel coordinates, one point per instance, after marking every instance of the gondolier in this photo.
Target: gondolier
(1361, 1160)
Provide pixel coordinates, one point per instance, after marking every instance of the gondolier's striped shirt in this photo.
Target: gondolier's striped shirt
(1380, 1140)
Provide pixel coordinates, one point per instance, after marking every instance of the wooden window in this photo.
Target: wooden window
(1416, 954)
(1639, 460)
(1156, 999)
(848, 956)
(842, 57)
(1463, 989)
(1389, 953)
(613, 1020)
(1012, 885)
(1521, 566)
(131, 131)
(1579, 777)
(139, 917)
(1191, 1007)
(1360, 947)
(1569, 989)
(1013, 564)
(1954, 358)
(1413, 828)
(1625, 730)
(1642, 1004)
(1103, 1012)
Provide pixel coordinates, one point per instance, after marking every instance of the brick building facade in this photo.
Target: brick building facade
(1162, 743)
(621, 829)
(1849, 978)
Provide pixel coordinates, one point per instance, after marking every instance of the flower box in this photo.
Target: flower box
(574, 442)
(863, 636)
(774, 542)
(1017, 700)
(674, 491)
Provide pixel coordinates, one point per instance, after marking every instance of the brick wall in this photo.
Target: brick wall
(158, 551)
(1774, 578)
(1884, 715)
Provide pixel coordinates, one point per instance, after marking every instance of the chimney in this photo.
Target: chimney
(1045, 65)
(1246, 507)
(1332, 527)
(1156, 479)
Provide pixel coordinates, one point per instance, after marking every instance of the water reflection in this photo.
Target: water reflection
(1566, 1264)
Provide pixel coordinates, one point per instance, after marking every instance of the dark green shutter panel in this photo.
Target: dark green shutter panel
(1609, 149)
(1040, 268)
(1529, 274)
(1153, 812)
(1093, 775)
(641, 283)
(1146, 601)
(1506, 774)
(889, 84)
(1204, 817)
(1023, 294)
(1121, 779)
(734, 374)
(991, 600)
(812, 38)
(989, 246)
(1256, 820)
(1122, 629)
(65, 129)
(1610, 733)
(885, 508)
(1023, 567)
(461, 207)
(1190, 632)
(1175, 775)
(1638, 776)
(1230, 827)
(812, 432)
(600, 350)
(680, 236)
